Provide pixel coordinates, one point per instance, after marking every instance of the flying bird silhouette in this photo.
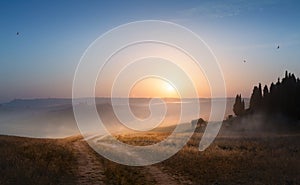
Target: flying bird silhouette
(17, 33)
(244, 61)
(278, 47)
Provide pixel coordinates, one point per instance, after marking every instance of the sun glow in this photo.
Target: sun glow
(169, 88)
(153, 87)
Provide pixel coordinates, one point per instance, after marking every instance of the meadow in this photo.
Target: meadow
(35, 161)
(238, 159)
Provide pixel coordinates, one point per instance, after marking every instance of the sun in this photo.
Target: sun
(153, 87)
(169, 87)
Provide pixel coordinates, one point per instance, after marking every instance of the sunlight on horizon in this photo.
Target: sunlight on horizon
(119, 75)
(153, 87)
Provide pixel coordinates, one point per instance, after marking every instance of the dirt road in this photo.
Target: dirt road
(91, 170)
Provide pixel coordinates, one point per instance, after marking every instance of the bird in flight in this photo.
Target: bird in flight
(278, 47)
(17, 33)
(244, 61)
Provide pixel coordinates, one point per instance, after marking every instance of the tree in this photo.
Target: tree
(266, 91)
(283, 97)
(239, 105)
(256, 98)
(266, 99)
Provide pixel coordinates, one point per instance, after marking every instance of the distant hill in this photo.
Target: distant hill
(38, 103)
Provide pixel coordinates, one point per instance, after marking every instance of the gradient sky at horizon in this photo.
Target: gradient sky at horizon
(40, 62)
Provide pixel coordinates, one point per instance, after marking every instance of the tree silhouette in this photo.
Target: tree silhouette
(256, 98)
(281, 98)
(239, 105)
(265, 91)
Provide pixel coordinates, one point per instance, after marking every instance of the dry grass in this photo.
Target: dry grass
(142, 139)
(35, 161)
(117, 174)
(272, 159)
(46, 161)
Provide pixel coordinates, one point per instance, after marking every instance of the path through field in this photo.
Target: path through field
(91, 170)
(160, 177)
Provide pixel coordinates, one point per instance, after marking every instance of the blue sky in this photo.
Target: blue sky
(40, 62)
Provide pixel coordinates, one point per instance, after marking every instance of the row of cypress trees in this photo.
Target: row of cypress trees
(282, 97)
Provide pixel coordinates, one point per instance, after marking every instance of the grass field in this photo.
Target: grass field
(36, 161)
(269, 159)
(264, 160)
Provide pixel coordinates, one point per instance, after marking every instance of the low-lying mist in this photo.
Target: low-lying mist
(260, 124)
(54, 118)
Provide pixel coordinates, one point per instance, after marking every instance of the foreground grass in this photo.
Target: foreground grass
(263, 160)
(117, 174)
(35, 161)
(272, 159)
(53, 161)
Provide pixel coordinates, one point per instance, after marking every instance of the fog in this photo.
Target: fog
(260, 125)
(54, 118)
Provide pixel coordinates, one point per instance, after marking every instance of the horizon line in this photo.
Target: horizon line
(106, 97)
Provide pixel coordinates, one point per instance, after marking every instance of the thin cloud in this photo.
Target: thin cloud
(220, 9)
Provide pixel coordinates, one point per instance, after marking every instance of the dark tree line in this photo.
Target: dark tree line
(283, 97)
(239, 105)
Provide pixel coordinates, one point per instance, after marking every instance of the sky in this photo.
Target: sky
(41, 60)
